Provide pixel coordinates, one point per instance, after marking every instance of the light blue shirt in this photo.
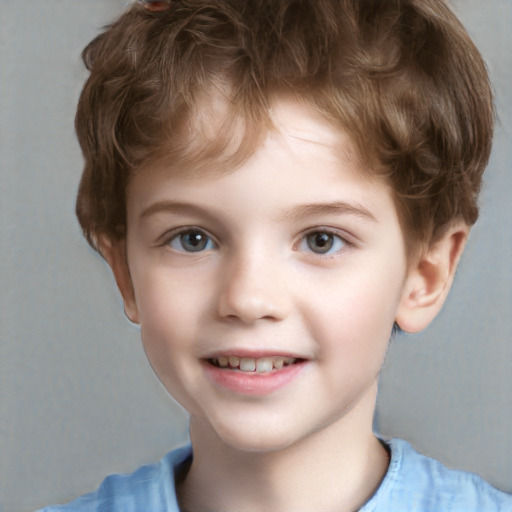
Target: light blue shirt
(413, 483)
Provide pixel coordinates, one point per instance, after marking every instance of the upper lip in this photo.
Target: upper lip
(251, 353)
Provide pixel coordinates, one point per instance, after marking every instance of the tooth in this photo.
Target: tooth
(223, 361)
(278, 362)
(247, 364)
(288, 361)
(234, 361)
(264, 365)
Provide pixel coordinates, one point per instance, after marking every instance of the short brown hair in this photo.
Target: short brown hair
(401, 77)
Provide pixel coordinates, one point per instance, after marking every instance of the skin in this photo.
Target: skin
(300, 254)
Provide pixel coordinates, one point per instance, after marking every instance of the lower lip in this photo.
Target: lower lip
(253, 383)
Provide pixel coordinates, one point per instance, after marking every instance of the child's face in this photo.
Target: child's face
(295, 257)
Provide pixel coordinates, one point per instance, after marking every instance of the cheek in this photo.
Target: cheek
(168, 311)
(168, 299)
(173, 307)
(352, 320)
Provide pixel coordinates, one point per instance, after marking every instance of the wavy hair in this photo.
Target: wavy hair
(401, 77)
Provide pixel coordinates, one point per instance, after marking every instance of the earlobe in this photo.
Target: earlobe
(115, 255)
(430, 279)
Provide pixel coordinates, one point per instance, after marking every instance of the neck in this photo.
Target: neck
(337, 468)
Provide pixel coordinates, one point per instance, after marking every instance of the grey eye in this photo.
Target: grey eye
(322, 242)
(192, 240)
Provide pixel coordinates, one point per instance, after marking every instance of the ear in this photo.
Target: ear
(430, 278)
(115, 255)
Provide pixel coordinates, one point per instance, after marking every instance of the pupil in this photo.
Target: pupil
(320, 242)
(194, 241)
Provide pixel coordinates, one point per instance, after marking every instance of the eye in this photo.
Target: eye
(322, 242)
(191, 240)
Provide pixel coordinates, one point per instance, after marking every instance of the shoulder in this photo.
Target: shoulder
(415, 482)
(149, 488)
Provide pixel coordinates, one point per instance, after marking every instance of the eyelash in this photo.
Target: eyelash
(338, 241)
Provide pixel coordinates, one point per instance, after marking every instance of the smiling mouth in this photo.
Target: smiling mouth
(253, 365)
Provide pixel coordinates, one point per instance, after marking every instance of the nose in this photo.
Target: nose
(253, 288)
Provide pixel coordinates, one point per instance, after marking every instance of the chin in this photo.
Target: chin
(257, 445)
(258, 438)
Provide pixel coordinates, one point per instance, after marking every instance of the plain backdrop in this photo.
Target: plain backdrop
(77, 397)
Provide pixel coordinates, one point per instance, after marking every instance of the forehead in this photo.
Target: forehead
(218, 135)
(299, 120)
(303, 159)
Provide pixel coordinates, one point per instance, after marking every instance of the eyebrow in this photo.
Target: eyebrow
(172, 207)
(334, 208)
(296, 213)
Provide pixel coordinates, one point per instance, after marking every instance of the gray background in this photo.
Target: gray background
(77, 397)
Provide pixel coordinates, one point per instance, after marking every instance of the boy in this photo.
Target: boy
(277, 186)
